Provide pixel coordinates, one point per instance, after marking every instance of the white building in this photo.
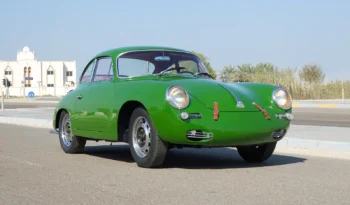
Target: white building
(44, 78)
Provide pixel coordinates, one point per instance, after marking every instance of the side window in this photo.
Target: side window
(134, 67)
(104, 69)
(85, 78)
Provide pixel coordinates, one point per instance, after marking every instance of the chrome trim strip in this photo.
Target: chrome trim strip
(93, 61)
(194, 134)
(239, 103)
(93, 70)
(96, 64)
(288, 116)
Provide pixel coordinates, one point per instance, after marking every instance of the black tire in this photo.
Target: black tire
(256, 153)
(75, 144)
(157, 149)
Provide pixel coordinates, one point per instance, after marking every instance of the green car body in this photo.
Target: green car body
(216, 114)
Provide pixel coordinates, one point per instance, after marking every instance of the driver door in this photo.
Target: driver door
(82, 118)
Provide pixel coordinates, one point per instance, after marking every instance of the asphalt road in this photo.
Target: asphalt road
(303, 116)
(335, 117)
(34, 170)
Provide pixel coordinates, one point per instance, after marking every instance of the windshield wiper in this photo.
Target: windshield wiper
(170, 69)
(203, 73)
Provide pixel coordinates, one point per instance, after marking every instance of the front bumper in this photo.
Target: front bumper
(231, 128)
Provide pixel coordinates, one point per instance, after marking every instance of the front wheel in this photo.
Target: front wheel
(69, 142)
(257, 153)
(146, 147)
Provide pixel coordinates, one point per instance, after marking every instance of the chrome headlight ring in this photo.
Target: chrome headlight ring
(282, 98)
(177, 97)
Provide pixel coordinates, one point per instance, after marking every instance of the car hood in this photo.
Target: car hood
(227, 95)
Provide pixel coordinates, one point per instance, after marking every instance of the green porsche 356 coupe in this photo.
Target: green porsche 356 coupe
(157, 98)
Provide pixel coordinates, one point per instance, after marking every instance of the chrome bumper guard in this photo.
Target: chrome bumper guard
(288, 116)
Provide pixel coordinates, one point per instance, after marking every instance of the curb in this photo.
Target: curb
(30, 101)
(28, 122)
(314, 144)
(316, 105)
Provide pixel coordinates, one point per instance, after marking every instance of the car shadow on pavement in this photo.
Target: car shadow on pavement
(220, 158)
(192, 158)
(119, 152)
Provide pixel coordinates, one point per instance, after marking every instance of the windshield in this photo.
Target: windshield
(159, 62)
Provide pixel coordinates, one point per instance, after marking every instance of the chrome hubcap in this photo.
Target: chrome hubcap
(141, 137)
(66, 132)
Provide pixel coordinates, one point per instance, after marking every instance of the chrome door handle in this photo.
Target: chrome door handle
(79, 97)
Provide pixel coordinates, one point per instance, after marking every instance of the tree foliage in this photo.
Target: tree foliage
(311, 73)
(206, 63)
(307, 83)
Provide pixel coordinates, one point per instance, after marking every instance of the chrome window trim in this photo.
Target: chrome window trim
(118, 56)
(95, 66)
(239, 103)
(83, 73)
(93, 70)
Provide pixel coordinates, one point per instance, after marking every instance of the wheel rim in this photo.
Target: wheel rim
(66, 132)
(141, 137)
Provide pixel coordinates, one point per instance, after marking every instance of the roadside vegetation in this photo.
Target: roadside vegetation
(303, 84)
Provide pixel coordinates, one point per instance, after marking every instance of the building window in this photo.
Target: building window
(50, 72)
(69, 73)
(28, 85)
(8, 72)
(50, 85)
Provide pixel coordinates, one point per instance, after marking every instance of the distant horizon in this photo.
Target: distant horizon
(80, 69)
(286, 34)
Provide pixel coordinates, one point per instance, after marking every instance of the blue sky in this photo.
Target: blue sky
(285, 33)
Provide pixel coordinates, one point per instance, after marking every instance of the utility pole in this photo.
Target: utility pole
(2, 100)
(342, 90)
(24, 85)
(7, 88)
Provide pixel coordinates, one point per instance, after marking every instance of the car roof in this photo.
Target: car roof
(116, 51)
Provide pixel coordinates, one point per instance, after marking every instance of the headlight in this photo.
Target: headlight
(282, 98)
(177, 97)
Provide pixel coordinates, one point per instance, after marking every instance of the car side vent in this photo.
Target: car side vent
(198, 135)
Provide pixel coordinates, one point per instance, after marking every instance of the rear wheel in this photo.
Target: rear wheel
(146, 147)
(69, 142)
(257, 153)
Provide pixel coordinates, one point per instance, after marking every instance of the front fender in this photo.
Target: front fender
(66, 103)
(261, 93)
